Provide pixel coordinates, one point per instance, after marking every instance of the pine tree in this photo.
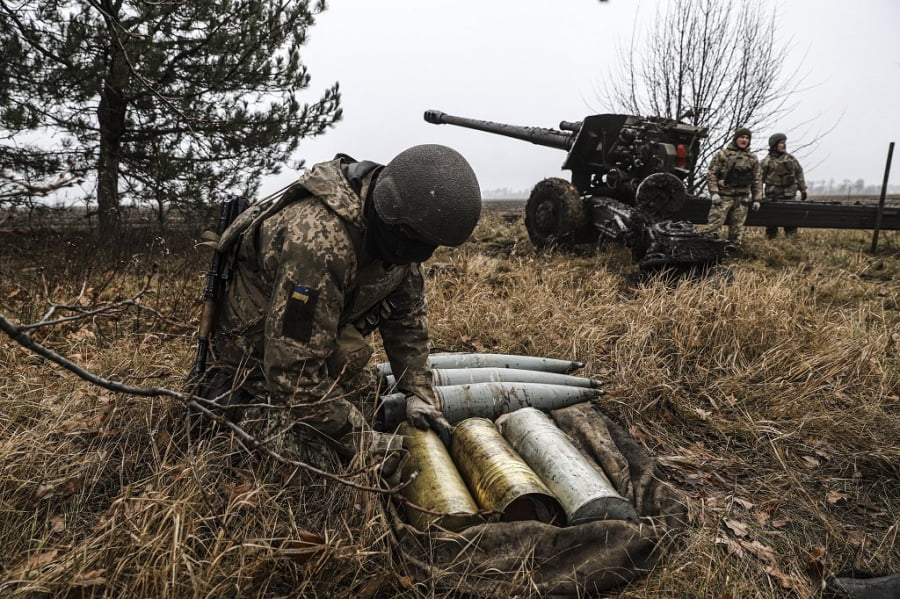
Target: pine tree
(168, 102)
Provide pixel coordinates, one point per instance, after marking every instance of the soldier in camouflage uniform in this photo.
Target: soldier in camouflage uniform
(335, 257)
(782, 178)
(735, 185)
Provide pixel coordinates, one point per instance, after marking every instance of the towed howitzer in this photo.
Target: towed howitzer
(627, 184)
(216, 277)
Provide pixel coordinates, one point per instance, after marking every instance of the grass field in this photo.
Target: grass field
(771, 403)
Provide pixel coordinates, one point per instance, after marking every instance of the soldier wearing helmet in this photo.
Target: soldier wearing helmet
(782, 177)
(735, 186)
(335, 257)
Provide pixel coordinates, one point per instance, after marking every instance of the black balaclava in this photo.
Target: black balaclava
(390, 243)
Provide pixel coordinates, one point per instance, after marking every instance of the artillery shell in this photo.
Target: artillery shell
(464, 376)
(390, 411)
(463, 360)
(583, 490)
(449, 360)
(499, 479)
(486, 400)
(490, 400)
(436, 486)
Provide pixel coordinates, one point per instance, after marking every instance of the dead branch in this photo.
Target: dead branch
(206, 407)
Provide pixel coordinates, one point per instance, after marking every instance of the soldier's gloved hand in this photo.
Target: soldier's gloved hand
(716, 199)
(423, 415)
(802, 195)
(754, 206)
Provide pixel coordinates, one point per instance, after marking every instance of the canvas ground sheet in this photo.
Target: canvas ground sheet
(501, 558)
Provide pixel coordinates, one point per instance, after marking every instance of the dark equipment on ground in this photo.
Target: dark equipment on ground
(628, 184)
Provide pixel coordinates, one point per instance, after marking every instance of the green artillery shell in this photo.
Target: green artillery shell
(462, 360)
(498, 478)
(581, 487)
(437, 486)
(487, 400)
(490, 400)
(464, 376)
(390, 411)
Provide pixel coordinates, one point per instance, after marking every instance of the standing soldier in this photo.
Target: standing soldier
(735, 185)
(782, 177)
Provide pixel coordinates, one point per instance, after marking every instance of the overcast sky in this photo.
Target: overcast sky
(536, 62)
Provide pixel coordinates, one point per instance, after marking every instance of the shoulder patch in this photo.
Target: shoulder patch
(299, 313)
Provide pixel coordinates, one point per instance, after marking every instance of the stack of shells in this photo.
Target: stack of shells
(521, 467)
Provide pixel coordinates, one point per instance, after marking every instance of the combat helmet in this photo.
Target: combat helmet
(431, 190)
(742, 131)
(774, 139)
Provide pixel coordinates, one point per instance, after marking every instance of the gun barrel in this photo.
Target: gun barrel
(552, 138)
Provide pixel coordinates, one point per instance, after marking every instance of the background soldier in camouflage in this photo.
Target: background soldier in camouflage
(335, 257)
(735, 185)
(782, 177)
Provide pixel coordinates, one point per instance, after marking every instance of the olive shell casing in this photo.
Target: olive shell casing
(499, 479)
(486, 400)
(582, 488)
(467, 360)
(437, 485)
(444, 377)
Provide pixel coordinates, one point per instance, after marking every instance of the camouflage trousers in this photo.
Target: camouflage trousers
(733, 212)
(319, 433)
(296, 432)
(360, 447)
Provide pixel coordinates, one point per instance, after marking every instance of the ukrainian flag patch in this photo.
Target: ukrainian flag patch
(300, 313)
(301, 293)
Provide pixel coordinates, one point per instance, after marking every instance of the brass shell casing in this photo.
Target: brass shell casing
(499, 479)
(437, 485)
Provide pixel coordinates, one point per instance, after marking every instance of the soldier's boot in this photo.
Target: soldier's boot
(772, 232)
(884, 587)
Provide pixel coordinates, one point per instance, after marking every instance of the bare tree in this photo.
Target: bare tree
(711, 63)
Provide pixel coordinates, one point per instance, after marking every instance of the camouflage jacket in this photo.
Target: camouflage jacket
(782, 176)
(733, 171)
(304, 287)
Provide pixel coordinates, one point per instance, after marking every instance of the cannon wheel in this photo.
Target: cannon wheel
(555, 215)
(660, 195)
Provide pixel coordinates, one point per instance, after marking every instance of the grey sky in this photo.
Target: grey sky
(536, 62)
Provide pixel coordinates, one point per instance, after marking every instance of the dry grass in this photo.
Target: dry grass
(772, 402)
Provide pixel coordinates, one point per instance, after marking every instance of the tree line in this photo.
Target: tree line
(172, 105)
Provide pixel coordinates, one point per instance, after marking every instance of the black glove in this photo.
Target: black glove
(802, 195)
(423, 415)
